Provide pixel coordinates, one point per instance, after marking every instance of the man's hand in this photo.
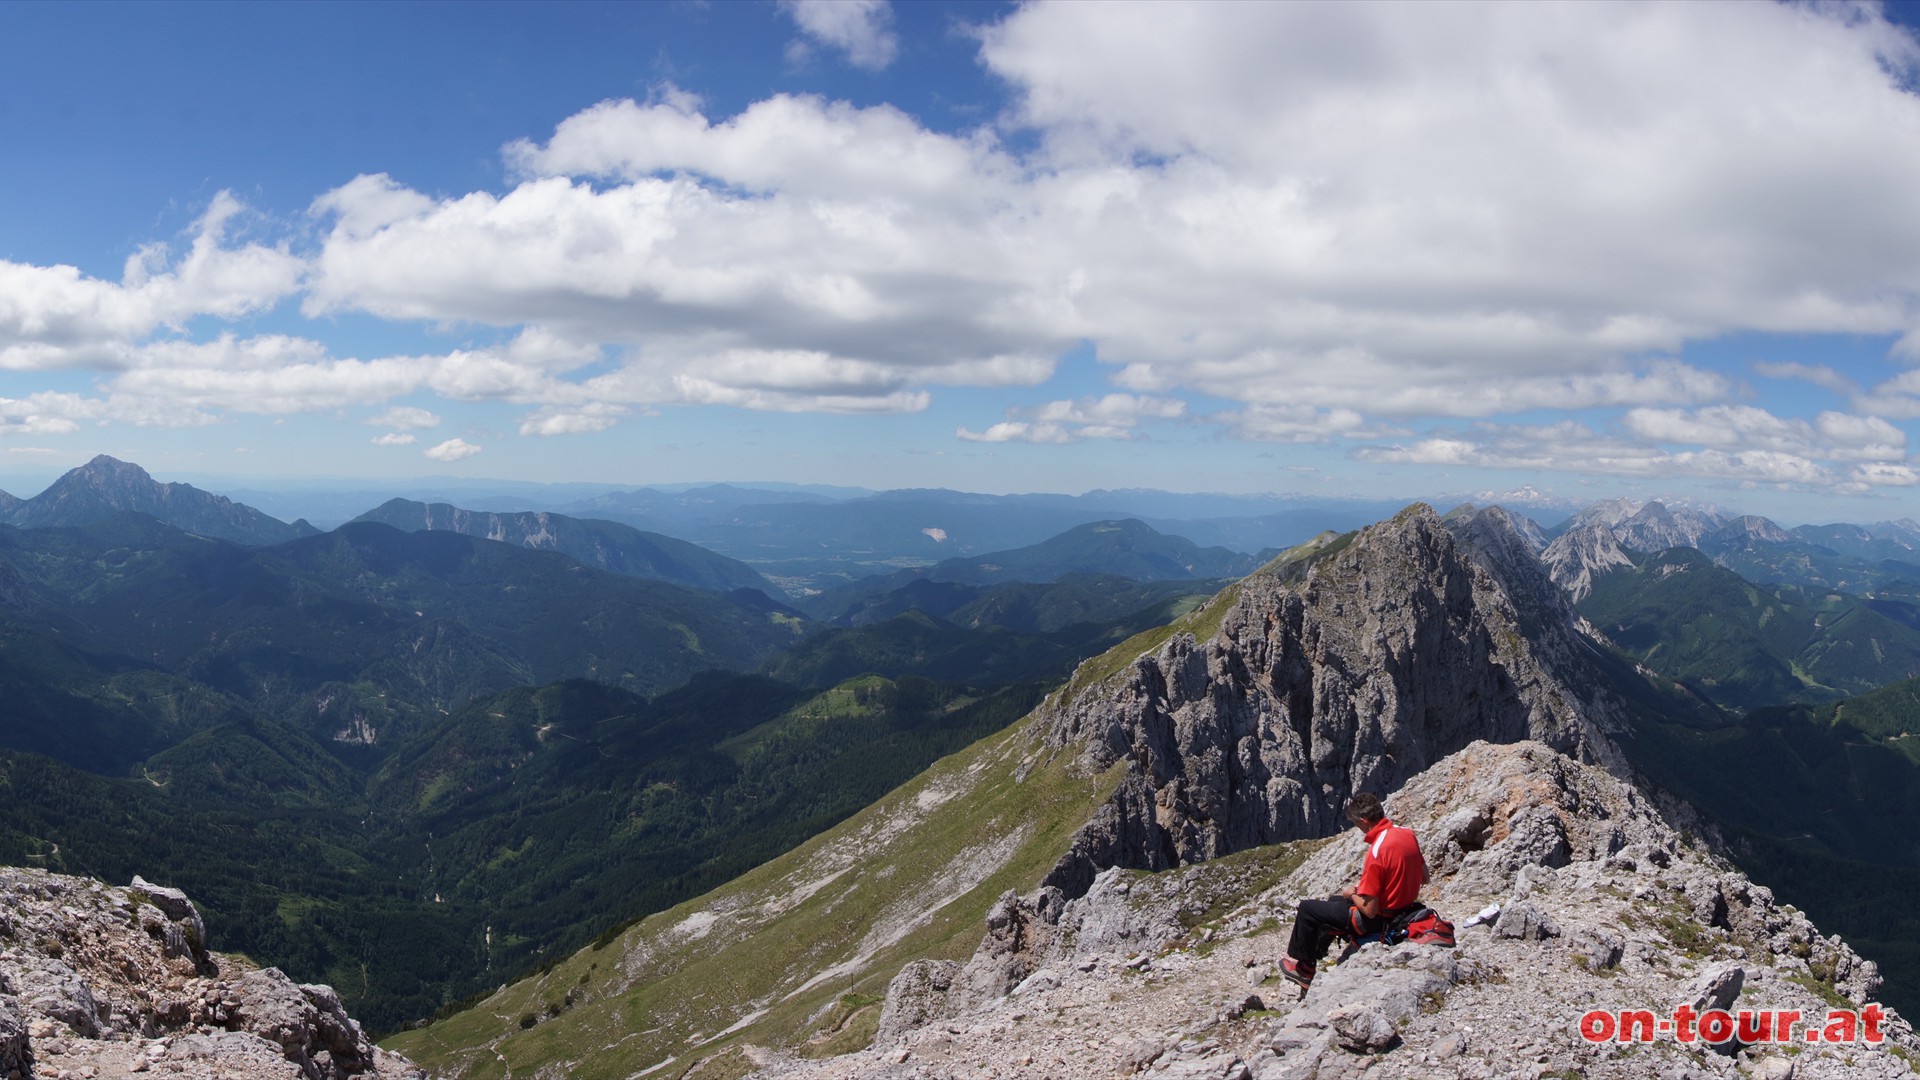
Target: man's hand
(1348, 891)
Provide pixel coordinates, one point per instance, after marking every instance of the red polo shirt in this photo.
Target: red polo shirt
(1394, 869)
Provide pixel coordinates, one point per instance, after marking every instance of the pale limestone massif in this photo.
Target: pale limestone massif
(1355, 672)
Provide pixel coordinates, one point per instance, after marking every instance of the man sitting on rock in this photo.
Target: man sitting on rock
(1390, 881)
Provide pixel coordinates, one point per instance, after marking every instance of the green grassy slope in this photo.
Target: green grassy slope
(1744, 646)
(911, 876)
(367, 632)
(831, 921)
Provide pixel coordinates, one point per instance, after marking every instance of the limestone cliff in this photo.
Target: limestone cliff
(1581, 554)
(1351, 666)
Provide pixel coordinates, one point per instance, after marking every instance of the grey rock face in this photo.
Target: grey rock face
(1355, 674)
(1581, 554)
(916, 997)
(1148, 972)
(107, 981)
(1656, 528)
(16, 1055)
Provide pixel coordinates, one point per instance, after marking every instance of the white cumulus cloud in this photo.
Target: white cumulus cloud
(1112, 416)
(451, 450)
(862, 29)
(404, 418)
(1340, 219)
(576, 420)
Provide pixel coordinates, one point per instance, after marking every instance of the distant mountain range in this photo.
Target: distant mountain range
(356, 636)
(1854, 558)
(607, 545)
(1127, 549)
(106, 486)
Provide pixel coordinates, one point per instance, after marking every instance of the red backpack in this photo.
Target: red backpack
(1422, 926)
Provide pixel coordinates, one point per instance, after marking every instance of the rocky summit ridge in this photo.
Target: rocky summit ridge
(1434, 660)
(1604, 906)
(100, 981)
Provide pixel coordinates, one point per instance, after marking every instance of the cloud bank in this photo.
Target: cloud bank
(1348, 222)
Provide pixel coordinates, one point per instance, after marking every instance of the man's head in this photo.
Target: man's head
(1364, 809)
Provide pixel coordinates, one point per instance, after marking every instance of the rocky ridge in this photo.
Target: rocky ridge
(103, 981)
(1351, 667)
(605, 545)
(1604, 905)
(106, 486)
(1581, 554)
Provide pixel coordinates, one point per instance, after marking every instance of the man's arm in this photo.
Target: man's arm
(1368, 905)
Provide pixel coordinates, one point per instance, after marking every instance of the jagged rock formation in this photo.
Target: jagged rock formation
(106, 486)
(1581, 554)
(1656, 528)
(1355, 673)
(1606, 905)
(100, 981)
(1532, 537)
(1743, 532)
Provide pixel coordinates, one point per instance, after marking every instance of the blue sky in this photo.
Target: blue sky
(1379, 250)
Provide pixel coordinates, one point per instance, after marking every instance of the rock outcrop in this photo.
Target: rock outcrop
(1605, 905)
(1581, 554)
(102, 981)
(1352, 668)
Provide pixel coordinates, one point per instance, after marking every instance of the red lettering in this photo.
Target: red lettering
(1597, 1026)
(1683, 1018)
(1871, 1017)
(1637, 1026)
(1755, 1027)
(1716, 1026)
(1842, 1026)
(1783, 1022)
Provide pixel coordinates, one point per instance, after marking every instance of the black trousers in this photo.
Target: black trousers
(1318, 922)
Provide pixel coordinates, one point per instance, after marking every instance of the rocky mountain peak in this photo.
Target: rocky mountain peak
(1745, 531)
(98, 980)
(1496, 523)
(1581, 554)
(1258, 716)
(1608, 512)
(1657, 528)
(107, 486)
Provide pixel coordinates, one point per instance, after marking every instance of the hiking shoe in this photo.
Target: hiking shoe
(1297, 972)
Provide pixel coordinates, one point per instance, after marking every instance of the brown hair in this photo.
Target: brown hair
(1365, 807)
